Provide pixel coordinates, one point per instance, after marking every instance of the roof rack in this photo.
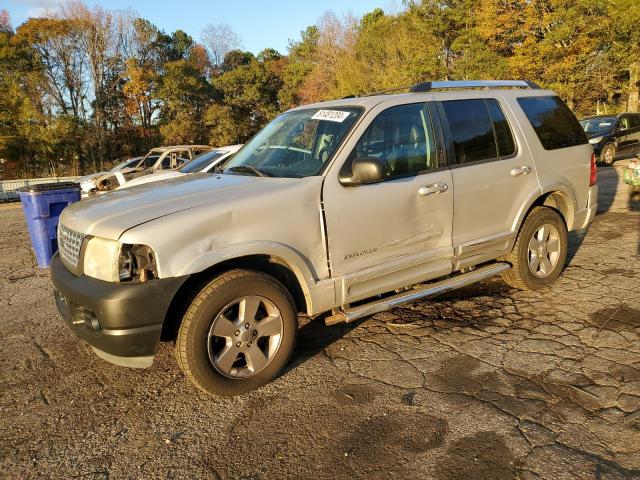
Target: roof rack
(429, 86)
(379, 92)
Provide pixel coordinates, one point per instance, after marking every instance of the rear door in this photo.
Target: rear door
(634, 133)
(493, 176)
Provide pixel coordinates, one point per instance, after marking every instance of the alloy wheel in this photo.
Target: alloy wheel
(245, 336)
(544, 250)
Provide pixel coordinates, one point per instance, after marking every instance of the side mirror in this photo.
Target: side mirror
(365, 170)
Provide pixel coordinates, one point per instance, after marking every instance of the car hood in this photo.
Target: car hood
(591, 135)
(154, 177)
(111, 214)
(88, 181)
(91, 176)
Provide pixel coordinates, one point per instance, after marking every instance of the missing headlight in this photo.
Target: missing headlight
(126, 264)
(138, 263)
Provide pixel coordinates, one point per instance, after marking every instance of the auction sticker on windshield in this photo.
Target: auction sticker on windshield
(331, 115)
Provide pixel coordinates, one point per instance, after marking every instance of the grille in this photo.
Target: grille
(69, 243)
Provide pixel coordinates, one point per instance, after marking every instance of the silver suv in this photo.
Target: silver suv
(340, 209)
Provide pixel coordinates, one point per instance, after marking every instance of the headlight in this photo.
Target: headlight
(112, 261)
(595, 140)
(101, 258)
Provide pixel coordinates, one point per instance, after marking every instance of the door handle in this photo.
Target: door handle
(517, 171)
(433, 188)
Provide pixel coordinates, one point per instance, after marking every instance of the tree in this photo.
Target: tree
(566, 46)
(445, 20)
(5, 21)
(234, 59)
(219, 39)
(184, 93)
(248, 98)
(87, 85)
(300, 62)
(625, 18)
(391, 51)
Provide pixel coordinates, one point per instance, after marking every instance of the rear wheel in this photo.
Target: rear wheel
(238, 333)
(540, 251)
(608, 154)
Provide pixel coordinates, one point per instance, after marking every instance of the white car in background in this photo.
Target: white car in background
(87, 183)
(161, 158)
(202, 163)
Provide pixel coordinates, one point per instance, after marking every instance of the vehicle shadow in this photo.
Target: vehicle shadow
(608, 184)
(314, 336)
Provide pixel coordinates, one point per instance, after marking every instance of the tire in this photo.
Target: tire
(208, 340)
(523, 258)
(608, 154)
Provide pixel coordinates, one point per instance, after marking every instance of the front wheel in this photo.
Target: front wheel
(608, 154)
(540, 251)
(237, 334)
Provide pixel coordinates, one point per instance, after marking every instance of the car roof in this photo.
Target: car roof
(230, 148)
(591, 117)
(177, 147)
(615, 115)
(371, 101)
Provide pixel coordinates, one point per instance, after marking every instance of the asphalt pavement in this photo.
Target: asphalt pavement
(483, 383)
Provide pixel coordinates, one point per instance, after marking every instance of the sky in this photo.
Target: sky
(259, 23)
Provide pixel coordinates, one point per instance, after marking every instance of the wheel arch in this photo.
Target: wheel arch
(559, 201)
(272, 265)
(559, 198)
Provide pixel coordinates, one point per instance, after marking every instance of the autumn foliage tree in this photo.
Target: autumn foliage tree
(86, 86)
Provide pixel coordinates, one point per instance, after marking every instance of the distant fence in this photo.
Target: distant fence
(8, 187)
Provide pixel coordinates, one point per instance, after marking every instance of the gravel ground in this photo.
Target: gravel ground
(487, 382)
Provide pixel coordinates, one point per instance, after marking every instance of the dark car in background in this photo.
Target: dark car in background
(613, 136)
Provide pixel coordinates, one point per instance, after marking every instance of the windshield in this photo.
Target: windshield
(598, 125)
(201, 162)
(149, 160)
(296, 144)
(127, 163)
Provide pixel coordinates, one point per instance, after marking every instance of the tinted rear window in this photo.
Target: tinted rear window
(553, 122)
(504, 137)
(471, 130)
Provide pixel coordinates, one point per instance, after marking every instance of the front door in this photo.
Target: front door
(633, 134)
(624, 137)
(396, 232)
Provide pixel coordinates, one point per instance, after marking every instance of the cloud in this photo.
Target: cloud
(39, 8)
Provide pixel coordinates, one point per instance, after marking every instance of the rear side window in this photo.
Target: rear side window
(623, 124)
(166, 162)
(504, 137)
(471, 130)
(553, 122)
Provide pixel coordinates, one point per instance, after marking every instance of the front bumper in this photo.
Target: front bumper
(121, 321)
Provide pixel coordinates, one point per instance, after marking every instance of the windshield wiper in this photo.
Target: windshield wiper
(248, 169)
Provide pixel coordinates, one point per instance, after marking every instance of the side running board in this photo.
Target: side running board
(419, 292)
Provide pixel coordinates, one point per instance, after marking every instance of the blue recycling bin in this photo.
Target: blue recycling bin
(42, 205)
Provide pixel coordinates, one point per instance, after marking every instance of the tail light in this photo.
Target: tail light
(594, 171)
